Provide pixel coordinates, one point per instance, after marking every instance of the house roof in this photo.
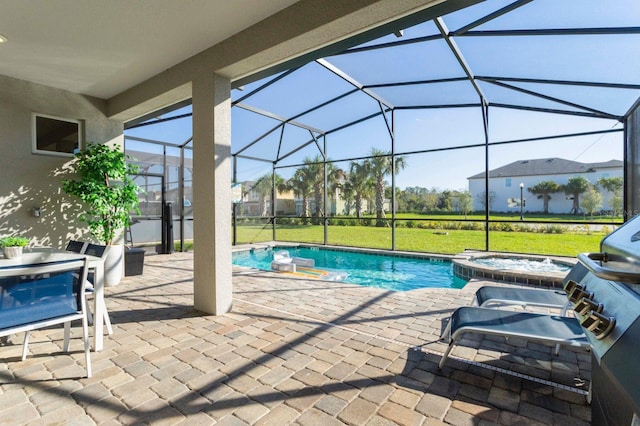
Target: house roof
(547, 166)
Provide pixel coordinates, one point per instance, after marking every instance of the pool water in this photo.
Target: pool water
(389, 272)
(519, 264)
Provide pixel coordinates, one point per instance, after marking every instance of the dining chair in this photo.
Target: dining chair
(41, 295)
(96, 250)
(76, 246)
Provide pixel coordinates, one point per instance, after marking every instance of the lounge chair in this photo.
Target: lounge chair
(542, 328)
(490, 296)
(493, 296)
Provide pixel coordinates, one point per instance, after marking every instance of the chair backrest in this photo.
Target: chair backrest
(33, 293)
(76, 246)
(95, 250)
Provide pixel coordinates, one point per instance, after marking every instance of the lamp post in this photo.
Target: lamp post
(521, 201)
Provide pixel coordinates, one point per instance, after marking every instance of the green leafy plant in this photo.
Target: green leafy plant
(105, 187)
(14, 241)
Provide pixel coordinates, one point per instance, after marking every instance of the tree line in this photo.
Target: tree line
(364, 183)
(362, 186)
(364, 180)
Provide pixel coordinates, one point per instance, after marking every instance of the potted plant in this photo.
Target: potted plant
(109, 195)
(12, 246)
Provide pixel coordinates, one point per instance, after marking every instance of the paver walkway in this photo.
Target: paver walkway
(290, 352)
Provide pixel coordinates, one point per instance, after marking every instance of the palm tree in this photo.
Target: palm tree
(315, 172)
(312, 173)
(574, 187)
(542, 190)
(335, 178)
(335, 181)
(358, 185)
(380, 165)
(302, 185)
(264, 188)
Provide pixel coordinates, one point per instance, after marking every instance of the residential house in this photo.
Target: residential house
(251, 201)
(504, 183)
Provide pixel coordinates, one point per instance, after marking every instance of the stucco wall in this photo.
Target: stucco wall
(28, 180)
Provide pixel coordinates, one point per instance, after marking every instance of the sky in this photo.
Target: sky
(592, 58)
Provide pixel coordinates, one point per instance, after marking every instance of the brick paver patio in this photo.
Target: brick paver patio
(290, 352)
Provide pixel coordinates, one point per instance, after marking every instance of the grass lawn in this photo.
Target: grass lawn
(429, 240)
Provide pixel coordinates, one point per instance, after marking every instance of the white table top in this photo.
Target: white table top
(38, 257)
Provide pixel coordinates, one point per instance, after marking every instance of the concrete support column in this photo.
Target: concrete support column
(212, 193)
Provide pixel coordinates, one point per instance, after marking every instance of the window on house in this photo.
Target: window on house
(507, 182)
(54, 135)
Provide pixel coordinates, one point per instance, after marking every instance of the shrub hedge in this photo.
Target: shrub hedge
(423, 224)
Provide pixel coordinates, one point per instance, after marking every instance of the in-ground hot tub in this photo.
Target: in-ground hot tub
(546, 271)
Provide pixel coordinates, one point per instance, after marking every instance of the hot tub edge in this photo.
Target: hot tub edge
(465, 269)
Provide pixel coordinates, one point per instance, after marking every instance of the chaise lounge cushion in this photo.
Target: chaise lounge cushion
(490, 295)
(547, 329)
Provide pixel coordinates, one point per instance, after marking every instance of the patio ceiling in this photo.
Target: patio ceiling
(103, 48)
(141, 57)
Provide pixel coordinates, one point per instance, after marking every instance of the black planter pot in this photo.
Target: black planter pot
(133, 261)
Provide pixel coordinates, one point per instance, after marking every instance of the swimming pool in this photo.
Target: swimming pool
(390, 272)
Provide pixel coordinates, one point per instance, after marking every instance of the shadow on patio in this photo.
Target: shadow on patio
(290, 351)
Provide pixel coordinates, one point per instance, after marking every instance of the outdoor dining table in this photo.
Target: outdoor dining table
(37, 256)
